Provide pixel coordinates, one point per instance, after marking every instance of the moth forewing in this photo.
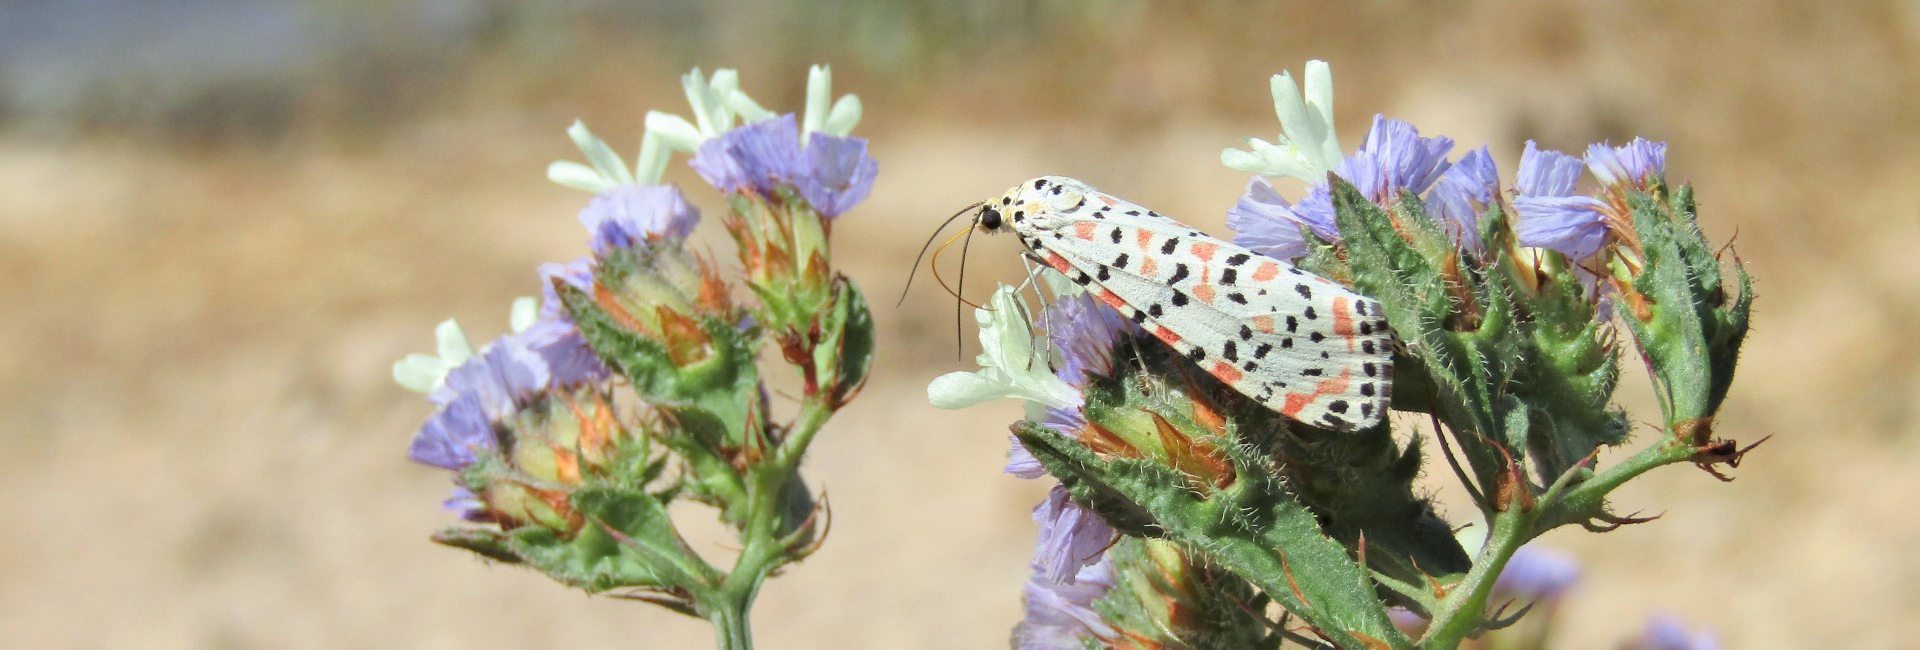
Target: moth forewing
(1300, 344)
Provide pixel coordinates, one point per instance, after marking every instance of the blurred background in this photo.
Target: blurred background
(222, 220)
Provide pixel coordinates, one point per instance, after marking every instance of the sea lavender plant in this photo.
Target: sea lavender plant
(1507, 305)
(637, 381)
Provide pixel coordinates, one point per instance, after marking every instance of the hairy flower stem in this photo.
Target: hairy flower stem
(762, 553)
(1459, 613)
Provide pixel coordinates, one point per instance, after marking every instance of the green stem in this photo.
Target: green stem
(762, 550)
(1459, 613)
(1588, 498)
(731, 630)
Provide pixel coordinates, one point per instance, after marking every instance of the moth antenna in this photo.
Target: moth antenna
(924, 247)
(959, 335)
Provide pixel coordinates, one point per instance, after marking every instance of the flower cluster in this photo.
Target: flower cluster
(1500, 298)
(575, 481)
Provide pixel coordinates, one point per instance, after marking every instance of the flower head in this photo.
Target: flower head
(1548, 214)
(757, 157)
(630, 215)
(1630, 165)
(1393, 158)
(839, 173)
(449, 439)
(1466, 189)
(424, 373)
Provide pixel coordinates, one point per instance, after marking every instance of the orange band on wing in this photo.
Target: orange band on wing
(1343, 319)
(1084, 230)
(1266, 271)
(1058, 263)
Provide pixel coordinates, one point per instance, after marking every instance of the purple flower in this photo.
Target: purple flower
(504, 376)
(1536, 573)
(758, 157)
(1265, 223)
(569, 360)
(1549, 216)
(1085, 330)
(1021, 462)
(1466, 189)
(841, 173)
(449, 438)
(469, 505)
(1071, 537)
(1664, 632)
(630, 215)
(1393, 158)
(1060, 616)
(1628, 165)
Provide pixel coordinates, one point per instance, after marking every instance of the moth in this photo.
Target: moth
(1300, 344)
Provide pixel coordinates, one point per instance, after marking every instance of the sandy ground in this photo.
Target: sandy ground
(200, 446)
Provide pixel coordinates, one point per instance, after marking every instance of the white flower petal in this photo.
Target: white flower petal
(674, 131)
(819, 92)
(522, 314)
(652, 162)
(601, 156)
(577, 176)
(419, 373)
(1010, 366)
(749, 110)
(451, 342)
(844, 116)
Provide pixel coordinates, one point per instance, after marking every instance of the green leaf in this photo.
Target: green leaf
(627, 541)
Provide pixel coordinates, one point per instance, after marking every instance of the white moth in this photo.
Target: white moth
(1303, 345)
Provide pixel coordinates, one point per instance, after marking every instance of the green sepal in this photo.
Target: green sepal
(1163, 595)
(844, 355)
(491, 544)
(1680, 316)
(626, 541)
(1254, 528)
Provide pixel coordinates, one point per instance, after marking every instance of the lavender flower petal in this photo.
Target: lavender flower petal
(503, 377)
(449, 438)
(757, 157)
(841, 173)
(1059, 616)
(1628, 165)
(1570, 224)
(1021, 462)
(1548, 215)
(1535, 573)
(1084, 331)
(569, 360)
(1462, 193)
(1262, 222)
(1071, 537)
(629, 215)
(1394, 157)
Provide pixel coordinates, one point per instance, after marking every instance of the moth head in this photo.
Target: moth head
(1038, 203)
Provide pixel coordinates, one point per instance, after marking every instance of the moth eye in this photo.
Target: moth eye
(990, 219)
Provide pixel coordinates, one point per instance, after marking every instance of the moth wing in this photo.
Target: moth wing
(1303, 345)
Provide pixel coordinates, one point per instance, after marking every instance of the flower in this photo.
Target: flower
(1308, 147)
(504, 377)
(1071, 537)
(757, 157)
(1548, 214)
(1537, 573)
(1392, 158)
(1265, 223)
(1630, 165)
(716, 103)
(1084, 330)
(839, 173)
(1009, 364)
(629, 215)
(449, 438)
(1060, 615)
(607, 170)
(1466, 189)
(1664, 632)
